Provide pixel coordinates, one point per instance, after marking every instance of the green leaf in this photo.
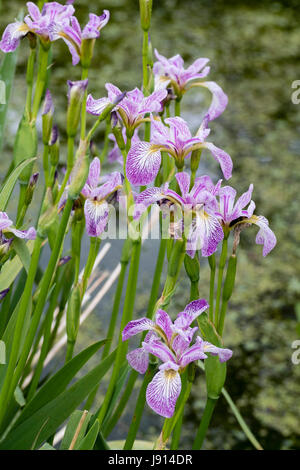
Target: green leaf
(11, 181)
(12, 268)
(72, 428)
(2, 353)
(59, 382)
(47, 446)
(89, 441)
(21, 248)
(19, 397)
(44, 423)
(7, 73)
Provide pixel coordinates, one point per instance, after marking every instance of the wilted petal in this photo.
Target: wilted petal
(143, 163)
(4, 221)
(29, 234)
(137, 326)
(221, 157)
(164, 389)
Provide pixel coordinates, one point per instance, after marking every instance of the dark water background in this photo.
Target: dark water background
(254, 48)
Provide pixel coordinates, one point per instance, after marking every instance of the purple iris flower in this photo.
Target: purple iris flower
(132, 108)
(172, 344)
(73, 35)
(53, 15)
(6, 226)
(144, 158)
(234, 213)
(172, 72)
(199, 207)
(96, 208)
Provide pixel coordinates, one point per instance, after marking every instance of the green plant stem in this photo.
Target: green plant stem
(177, 107)
(139, 408)
(41, 80)
(106, 140)
(212, 265)
(178, 426)
(29, 80)
(46, 164)
(24, 305)
(205, 421)
(84, 76)
(170, 423)
(126, 317)
(94, 249)
(70, 162)
(44, 288)
(222, 263)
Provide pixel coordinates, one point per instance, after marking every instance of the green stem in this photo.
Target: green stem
(157, 276)
(42, 298)
(222, 263)
(84, 76)
(46, 164)
(41, 80)
(126, 318)
(212, 265)
(94, 249)
(106, 140)
(177, 107)
(139, 408)
(29, 80)
(70, 161)
(205, 421)
(178, 426)
(24, 304)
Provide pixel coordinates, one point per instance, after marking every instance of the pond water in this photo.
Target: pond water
(254, 53)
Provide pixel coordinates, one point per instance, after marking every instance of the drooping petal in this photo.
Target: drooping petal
(29, 234)
(219, 100)
(4, 221)
(221, 157)
(194, 353)
(206, 233)
(12, 35)
(138, 359)
(137, 326)
(223, 353)
(143, 163)
(96, 216)
(164, 389)
(159, 349)
(265, 236)
(96, 107)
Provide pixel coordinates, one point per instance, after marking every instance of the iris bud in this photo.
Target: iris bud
(47, 117)
(145, 11)
(80, 171)
(73, 314)
(25, 146)
(54, 147)
(75, 95)
(192, 267)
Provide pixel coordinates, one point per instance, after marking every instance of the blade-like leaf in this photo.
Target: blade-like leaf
(89, 440)
(12, 268)
(58, 382)
(72, 428)
(40, 426)
(7, 73)
(11, 181)
(21, 248)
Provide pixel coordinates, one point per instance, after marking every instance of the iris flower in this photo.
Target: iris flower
(173, 344)
(144, 158)
(6, 225)
(96, 208)
(171, 72)
(132, 108)
(204, 228)
(53, 15)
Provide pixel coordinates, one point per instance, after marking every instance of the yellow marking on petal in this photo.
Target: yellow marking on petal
(23, 28)
(170, 374)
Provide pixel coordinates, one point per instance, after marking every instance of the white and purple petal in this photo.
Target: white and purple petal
(143, 163)
(137, 326)
(164, 390)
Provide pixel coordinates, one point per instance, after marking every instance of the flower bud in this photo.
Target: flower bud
(145, 11)
(47, 117)
(25, 146)
(30, 188)
(195, 160)
(80, 171)
(54, 146)
(73, 314)
(75, 95)
(192, 267)
(230, 278)
(49, 215)
(117, 130)
(126, 251)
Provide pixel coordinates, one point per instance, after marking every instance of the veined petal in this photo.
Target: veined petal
(144, 199)
(143, 163)
(221, 157)
(219, 100)
(224, 354)
(96, 107)
(163, 390)
(183, 180)
(4, 221)
(206, 233)
(159, 349)
(241, 203)
(12, 35)
(138, 359)
(163, 320)
(29, 234)
(96, 216)
(137, 326)
(265, 236)
(94, 173)
(190, 313)
(227, 196)
(194, 353)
